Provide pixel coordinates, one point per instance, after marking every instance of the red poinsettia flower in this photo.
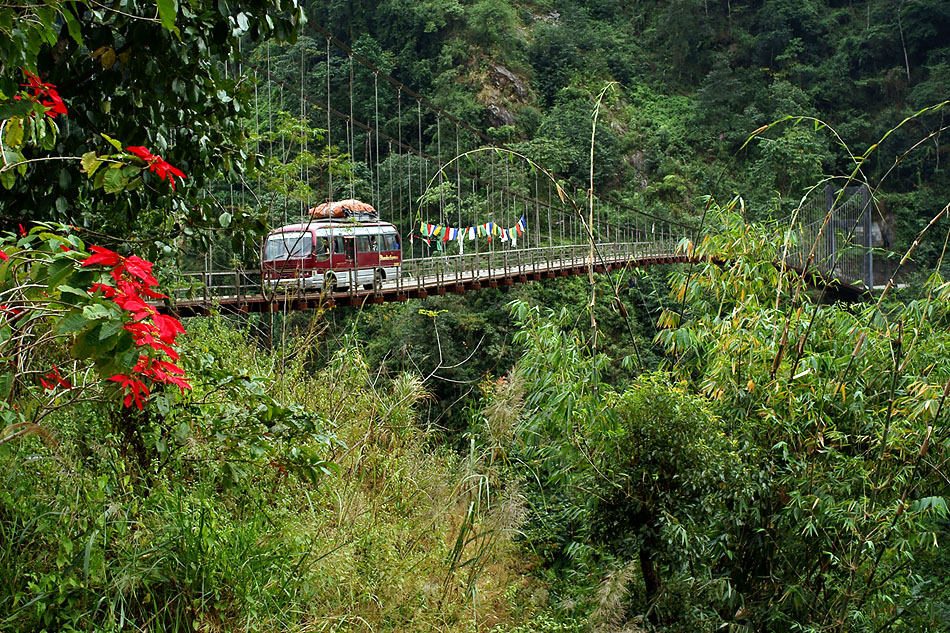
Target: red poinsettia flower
(168, 327)
(162, 371)
(140, 268)
(144, 334)
(133, 281)
(102, 256)
(157, 164)
(55, 378)
(136, 390)
(45, 94)
(4, 256)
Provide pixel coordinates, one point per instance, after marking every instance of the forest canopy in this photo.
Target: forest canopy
(722, 444)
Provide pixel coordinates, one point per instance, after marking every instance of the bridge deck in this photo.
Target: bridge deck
(242, 290)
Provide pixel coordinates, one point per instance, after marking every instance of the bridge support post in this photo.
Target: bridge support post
(830, 237)
(868, 252)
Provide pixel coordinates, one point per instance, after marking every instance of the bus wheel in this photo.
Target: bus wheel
(329, 282)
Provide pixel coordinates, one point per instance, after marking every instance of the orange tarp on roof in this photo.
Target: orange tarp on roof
(339, 209)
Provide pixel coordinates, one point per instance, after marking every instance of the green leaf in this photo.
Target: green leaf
(58, 271)
(225, 219)
(168, 10)
(72, 323)
(100, 179)
(114, 181)
(96, 311)
(14, 108)
(79, 292)
(7, 178)
(90, 163)
(75, 31)
(114, 143)
(110, 329)
(937, 503)
(14, 135)
(6, 384)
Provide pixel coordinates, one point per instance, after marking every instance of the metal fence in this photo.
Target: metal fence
(834, 237)
(424, 274)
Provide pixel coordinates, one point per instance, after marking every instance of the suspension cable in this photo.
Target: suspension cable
(351, 134)
(378, 197)
(484, 137)
(329, 145)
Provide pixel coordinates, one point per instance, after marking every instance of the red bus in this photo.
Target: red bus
(332, 253)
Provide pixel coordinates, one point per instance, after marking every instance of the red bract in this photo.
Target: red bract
(45, 94)
(102, 256)
(134, 304)
(133, 280)
(4, 256)
(106, 289)
(144, 334)
(157, 164)
(162, 371)
(140, 268)
(168, 327)
(55, 378)
(135, 389)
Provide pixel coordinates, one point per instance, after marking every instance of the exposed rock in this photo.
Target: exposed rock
(638, 168)
(503, 78)
(499, 115)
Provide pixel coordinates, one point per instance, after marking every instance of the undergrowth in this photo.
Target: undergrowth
(273, 497)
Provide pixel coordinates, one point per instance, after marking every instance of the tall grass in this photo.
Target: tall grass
(221, 533)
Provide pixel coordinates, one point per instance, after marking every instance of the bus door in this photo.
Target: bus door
(368, 247)
(349, 251)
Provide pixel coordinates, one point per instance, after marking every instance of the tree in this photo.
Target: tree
(660, 471)
(161, 82)
(649, 465)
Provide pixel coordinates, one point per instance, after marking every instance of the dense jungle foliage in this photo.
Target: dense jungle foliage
(729, 449)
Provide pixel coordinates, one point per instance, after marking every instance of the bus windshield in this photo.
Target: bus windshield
(287, 245)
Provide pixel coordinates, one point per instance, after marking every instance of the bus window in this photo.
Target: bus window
(287, 245)
(338, 245)
(322, 251)
(362, 244)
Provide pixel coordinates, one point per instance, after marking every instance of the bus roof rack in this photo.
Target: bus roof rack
(344, 209)
(349, 217)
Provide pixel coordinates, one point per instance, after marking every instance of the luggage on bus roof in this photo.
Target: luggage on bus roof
(343, 209)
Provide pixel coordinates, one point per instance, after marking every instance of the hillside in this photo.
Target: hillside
(701, 447)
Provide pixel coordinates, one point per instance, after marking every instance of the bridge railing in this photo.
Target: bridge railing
(837, 244)
(425, 273)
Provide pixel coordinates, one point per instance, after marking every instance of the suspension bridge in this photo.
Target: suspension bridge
(357, 132)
